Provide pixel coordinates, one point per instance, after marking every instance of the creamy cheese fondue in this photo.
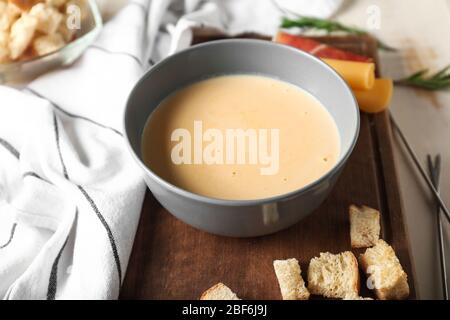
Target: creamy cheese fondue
(240, 137)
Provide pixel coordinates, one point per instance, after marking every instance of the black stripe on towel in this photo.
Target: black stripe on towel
(10, 148)
(58, 145)
(122, 53)
(53, 280)
(35, 175)
(108, 231)
(11, 236)
(72, 115)
(91, 202)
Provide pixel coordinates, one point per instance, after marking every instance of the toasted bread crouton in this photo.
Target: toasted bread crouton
(24, 5)
(49, 18)
(290, 280)
(67, 33)
(385, 272)
(219, 291)
(22, 32)
(334, 275)
(4, 55)
(49, 43)
(56, 3)
(9, 13)
(3, 7)
(4, 39)
(353, 297)
(4, 48)
(364, 226)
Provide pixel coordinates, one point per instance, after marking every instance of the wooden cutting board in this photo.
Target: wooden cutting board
(171, 260)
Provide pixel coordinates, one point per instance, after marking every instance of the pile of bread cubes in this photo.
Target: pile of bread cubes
(30, 28)
(337, 275)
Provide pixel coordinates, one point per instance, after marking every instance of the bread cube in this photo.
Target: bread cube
(385, 272)
(334, 275)
(4, 49)
(24, 5)
(9, 13)
(354, 297)
(45, 44)
(68, 34)
(4, 55)
(219, 292)
(3, 24)
(22, 32)
(55, 3)
(289, 277)
(364, 226)
(48, 18)
(4, 39)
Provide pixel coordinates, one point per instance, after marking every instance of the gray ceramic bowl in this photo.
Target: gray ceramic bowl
(246, 218)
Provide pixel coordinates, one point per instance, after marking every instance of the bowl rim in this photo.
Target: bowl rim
(97, 18)
(250, 202)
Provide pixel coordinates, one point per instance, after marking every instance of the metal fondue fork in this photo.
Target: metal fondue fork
(433, 185)
(421, 169)
(435, 172)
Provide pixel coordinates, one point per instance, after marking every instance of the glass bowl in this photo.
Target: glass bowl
(23, 71)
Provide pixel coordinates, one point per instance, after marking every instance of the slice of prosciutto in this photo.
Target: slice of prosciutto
(318, 49)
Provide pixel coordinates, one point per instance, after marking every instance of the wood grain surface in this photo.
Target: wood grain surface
(171, 260)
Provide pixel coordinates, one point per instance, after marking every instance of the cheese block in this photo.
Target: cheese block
(358, 75)
(376, 99)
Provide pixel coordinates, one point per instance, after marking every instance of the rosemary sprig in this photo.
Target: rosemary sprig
(438, 81)
(329, 26)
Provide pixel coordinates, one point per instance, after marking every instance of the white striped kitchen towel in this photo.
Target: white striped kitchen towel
(70, 194)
